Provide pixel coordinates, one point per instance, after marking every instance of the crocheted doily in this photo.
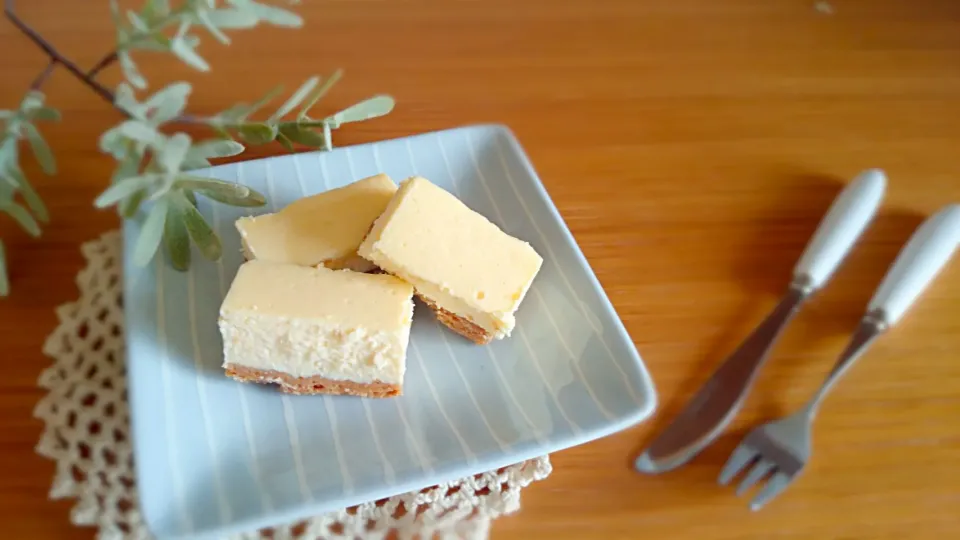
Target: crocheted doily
(87, 434)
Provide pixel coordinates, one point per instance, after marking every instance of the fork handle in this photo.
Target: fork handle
(927, 251)
(925, 254)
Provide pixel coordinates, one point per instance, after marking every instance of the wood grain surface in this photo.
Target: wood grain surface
(690, 145)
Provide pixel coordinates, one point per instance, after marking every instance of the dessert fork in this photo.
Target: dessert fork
(718, 401)
(779, 450)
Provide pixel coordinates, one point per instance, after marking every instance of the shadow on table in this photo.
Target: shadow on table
(765, 271)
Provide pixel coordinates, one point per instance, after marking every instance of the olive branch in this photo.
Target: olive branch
(153, 163)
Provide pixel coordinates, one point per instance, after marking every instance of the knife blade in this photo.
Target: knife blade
(716, 403)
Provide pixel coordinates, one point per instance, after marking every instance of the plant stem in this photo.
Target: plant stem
(54, 54)
(102, 64)
(44, 75)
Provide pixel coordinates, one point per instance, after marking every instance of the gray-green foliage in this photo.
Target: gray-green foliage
(18, 199)
(154, 167)
(153, 164)
(236, 123)
(160, 27)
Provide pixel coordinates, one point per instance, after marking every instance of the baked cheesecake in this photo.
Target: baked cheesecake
(316, 330)
(471, 273)
(320, 230)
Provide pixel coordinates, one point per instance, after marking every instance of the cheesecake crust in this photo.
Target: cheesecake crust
(312, 385)
(458, 324)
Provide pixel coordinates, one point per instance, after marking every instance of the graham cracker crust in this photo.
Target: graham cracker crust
(458, 324)
(312, 385)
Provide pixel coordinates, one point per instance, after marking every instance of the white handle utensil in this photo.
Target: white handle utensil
(846, 220)
(718, 401)
(918, 263)
(776, 452)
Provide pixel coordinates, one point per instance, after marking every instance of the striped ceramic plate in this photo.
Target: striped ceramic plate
(214, 456)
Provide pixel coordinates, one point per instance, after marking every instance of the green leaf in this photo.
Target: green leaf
(111, 142)
(202, 183)
(168, 103)
(137, 22)
(296, 98)
(229, 193)
(4, 279)
(221, 131)
(176, 239)
(130, 70)
(320, 92)
(32, 100)
(139, 131)
(126, 100)
(198, 228)
(285, 142)
(257, 133)
(47, 114)
(173, 152)
(271, 14)
(125, 188)
(365, 110)
(327, 137)
(242, 111)
(8, 149)
(232, 18)
(41, 150)
(22, 216)
(150, 233)
(302, 135)
(203, 17)
(131, 205)
(155, 9)
(155, 42)
(254, 200)
(191, 163)
(115, 13)
(189, 56)
(190, 197)
(128, 165)
(30, 195)
(214, 149)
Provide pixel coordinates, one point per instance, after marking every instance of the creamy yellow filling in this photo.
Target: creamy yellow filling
(452, 255)
(322, 229)
(306, 322)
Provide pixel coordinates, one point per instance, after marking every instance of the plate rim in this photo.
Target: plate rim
(308, 508)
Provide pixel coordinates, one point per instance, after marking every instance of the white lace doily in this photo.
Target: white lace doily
(87, 434)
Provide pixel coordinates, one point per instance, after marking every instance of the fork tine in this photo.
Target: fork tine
(739, 459)
(755, 474)
(778, 482)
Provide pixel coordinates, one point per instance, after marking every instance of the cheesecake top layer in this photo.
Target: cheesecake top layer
(341, 298)
(452, 255)
(327, 227)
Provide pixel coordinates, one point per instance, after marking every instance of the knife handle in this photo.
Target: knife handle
(714, 405)
(839, 229)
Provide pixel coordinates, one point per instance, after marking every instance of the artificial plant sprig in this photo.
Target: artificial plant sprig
(19, 125)
(153, 159)
(235, 123)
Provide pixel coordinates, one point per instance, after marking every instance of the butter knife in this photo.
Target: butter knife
(718, 401)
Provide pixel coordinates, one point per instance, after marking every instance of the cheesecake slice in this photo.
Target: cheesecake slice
(320, 230)
(316, 330)
(470, 272)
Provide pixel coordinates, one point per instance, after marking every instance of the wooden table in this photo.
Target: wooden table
(691, 146)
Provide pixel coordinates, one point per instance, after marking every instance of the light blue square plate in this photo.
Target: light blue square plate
(215, 457)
